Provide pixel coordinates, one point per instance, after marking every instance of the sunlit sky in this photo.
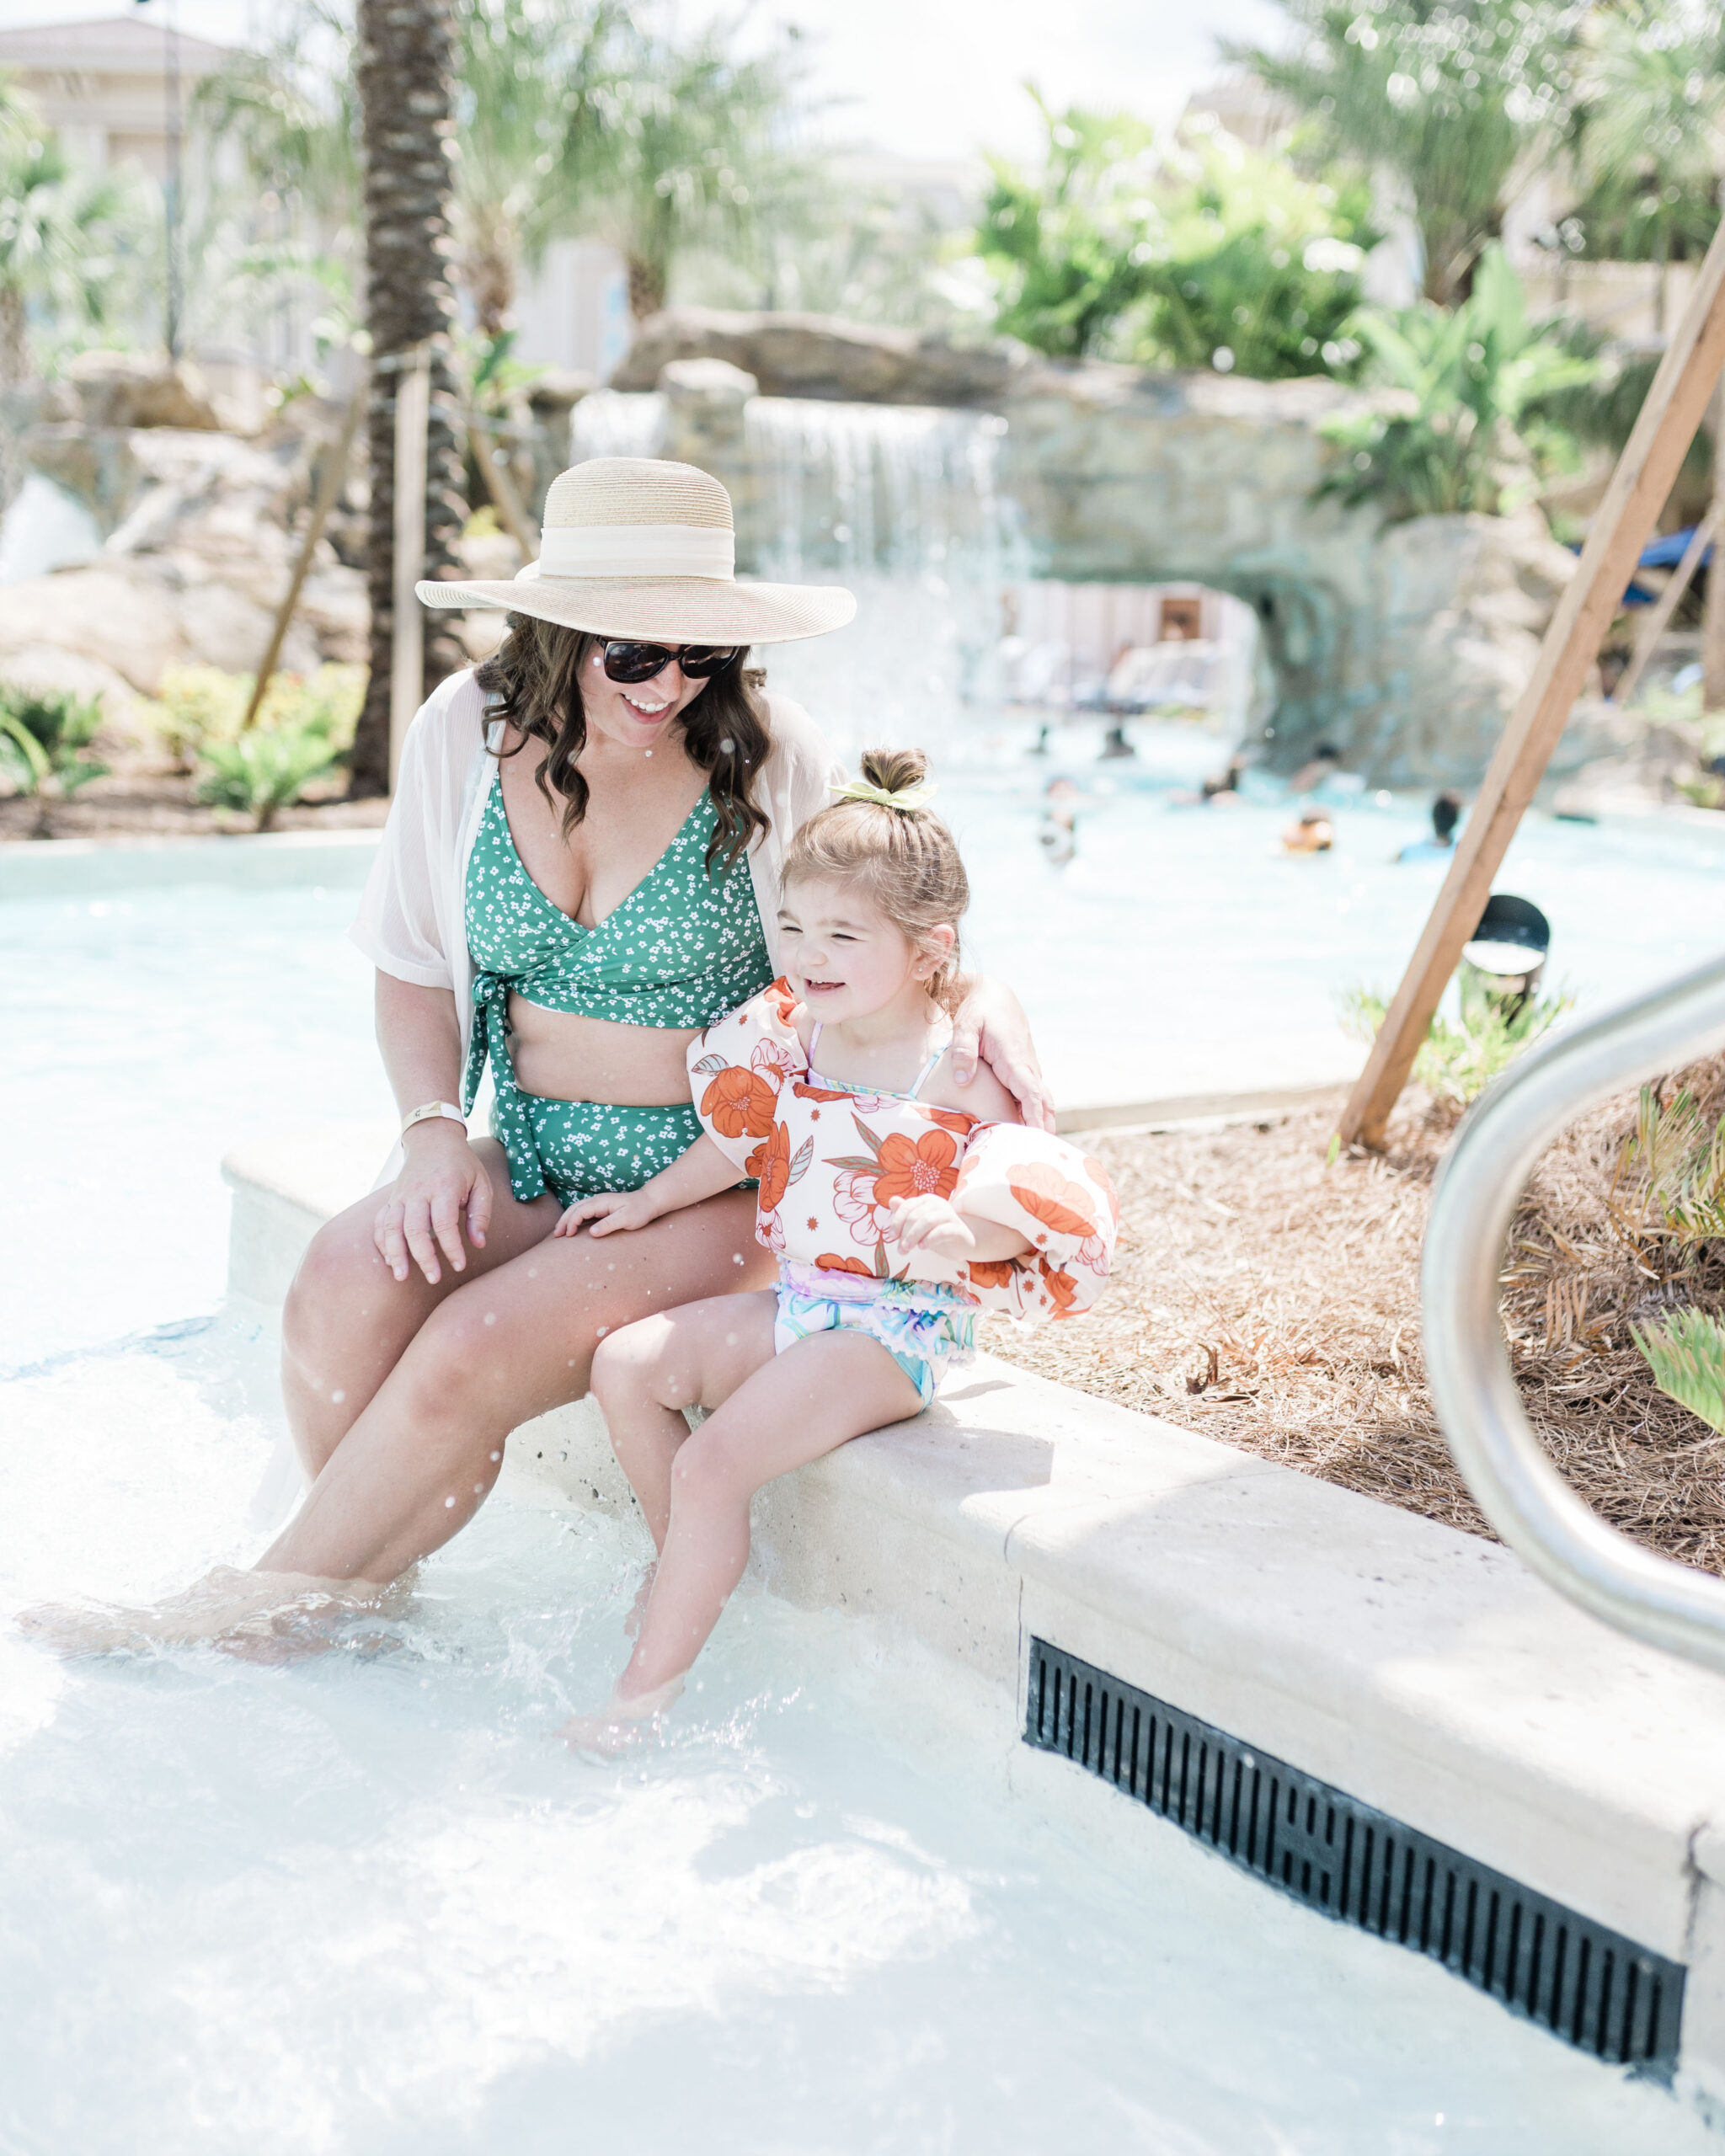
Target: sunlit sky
(923, 78)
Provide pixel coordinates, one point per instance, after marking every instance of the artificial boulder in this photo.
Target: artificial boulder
(130, 389)
(821, 356)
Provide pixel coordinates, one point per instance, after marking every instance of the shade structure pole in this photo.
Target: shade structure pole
(407, 657)
(1659, 615)
(1645, 471)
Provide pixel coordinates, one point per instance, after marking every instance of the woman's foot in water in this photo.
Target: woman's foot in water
(623, 1724)
(264, 1615)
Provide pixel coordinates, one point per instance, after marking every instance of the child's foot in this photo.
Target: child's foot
(226, 1607)
(621, 1723)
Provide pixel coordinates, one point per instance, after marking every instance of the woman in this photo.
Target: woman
(579, 871)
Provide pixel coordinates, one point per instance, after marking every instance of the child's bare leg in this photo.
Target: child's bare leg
(645, 1374)
(796, 1407)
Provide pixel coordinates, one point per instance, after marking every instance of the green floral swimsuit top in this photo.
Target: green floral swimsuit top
(683, 948)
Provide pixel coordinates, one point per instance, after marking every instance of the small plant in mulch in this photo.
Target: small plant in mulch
(303, 729)
(264, 769)
(1458, 1060)
(45, 746)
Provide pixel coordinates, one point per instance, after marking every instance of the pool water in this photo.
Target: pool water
(370, 1903)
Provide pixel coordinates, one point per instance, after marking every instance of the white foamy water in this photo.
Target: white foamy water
(369, 1904)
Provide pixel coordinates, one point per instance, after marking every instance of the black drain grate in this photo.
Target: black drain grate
(1588, 1986)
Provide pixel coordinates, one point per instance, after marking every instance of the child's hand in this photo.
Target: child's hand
(931, 1223)
(608, 1211)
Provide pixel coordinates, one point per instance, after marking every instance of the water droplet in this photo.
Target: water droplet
(603, 1329)
(339, 1394)
(449, 1504)
(491, 1317)
(478, 1489)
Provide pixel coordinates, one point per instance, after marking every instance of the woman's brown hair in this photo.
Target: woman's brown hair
(905, 858)
(533, 679)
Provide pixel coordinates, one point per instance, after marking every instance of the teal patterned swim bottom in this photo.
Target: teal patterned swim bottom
(575, 1149)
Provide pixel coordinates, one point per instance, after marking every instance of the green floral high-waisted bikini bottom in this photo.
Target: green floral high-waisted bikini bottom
(581, 1147)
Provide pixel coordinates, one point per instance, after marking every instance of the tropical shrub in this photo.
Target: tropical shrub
(200, 706)
(1687, 1354)
(1197, 253)
(44, 744)
(1467, 431)
(265, 769)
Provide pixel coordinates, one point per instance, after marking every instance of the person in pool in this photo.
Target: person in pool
(1446, 814)
(580, 871)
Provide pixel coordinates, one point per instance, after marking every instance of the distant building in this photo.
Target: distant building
(104, 86)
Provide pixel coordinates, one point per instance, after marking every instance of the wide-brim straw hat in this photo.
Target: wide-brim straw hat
(638, 546)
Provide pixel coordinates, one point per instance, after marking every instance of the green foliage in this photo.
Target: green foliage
(1202, 253)
(199, 708)
(267, 768)
(1472, 383)
(1457, 1061)
(1647, 129)
(1684, 1162)
(63, 237)
(1449, 99)
(1686, 1355)
(44, 744)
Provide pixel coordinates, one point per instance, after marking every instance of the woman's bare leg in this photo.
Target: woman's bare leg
(421, 1457)
(348, 1320)
(644, 1376)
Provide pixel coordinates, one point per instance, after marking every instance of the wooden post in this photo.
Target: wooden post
(1659, 615)
(1714, 609)
(501, 487)
(330, 486)
(1644, 478)
(407, 668)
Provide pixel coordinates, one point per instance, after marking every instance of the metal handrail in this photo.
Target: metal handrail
(1473, 1385)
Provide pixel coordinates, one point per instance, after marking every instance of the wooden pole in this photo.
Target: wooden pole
(407, 655)
(501, 487)
(1645, 473)
(1713, 606)
(1659, 615)
(330, 482)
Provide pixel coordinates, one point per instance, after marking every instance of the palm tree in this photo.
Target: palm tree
(1649, 131)
(59, 242)
(404, 54)
(1447, 98)
(691, 145)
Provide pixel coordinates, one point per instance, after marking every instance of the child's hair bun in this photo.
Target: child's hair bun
(894, 770)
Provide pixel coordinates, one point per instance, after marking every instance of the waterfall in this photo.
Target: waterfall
(900, 504)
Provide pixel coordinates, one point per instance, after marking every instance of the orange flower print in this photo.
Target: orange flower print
(819, 1092)
(954, 1119)
(992, 1272)
(908, 1170)
(781, 998)
(827, 1262)
(1066, 1209)
(739, 1103)
(775, 1168)
(1061, 1287)
(774, 1061)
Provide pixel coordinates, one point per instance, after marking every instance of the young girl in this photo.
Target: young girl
(898, 1204)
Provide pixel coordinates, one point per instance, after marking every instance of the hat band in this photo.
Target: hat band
(639, 550)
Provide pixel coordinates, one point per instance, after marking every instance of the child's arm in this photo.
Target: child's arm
(700, 1172)
(935, 1224)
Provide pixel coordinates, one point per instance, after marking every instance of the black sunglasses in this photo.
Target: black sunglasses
(632, 663)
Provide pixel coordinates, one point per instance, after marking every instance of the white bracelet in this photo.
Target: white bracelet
(430, 1109)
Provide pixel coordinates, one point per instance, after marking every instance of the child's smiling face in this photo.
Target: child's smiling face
(842, 955)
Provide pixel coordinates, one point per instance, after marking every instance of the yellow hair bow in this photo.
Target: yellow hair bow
(906, 798)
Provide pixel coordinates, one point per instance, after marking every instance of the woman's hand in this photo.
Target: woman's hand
(608, 1211)
(442, 1182)
(930, 1223)
(990, 1023)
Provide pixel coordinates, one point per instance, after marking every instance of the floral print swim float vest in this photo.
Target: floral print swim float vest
(830, 1161)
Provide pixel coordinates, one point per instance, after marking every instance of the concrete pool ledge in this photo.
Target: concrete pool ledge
(1422, 1671)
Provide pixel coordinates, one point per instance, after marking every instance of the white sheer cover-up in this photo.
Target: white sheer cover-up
(412, 918)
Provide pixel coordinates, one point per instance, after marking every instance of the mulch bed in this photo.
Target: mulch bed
(158, 805)
(1272, 1302)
